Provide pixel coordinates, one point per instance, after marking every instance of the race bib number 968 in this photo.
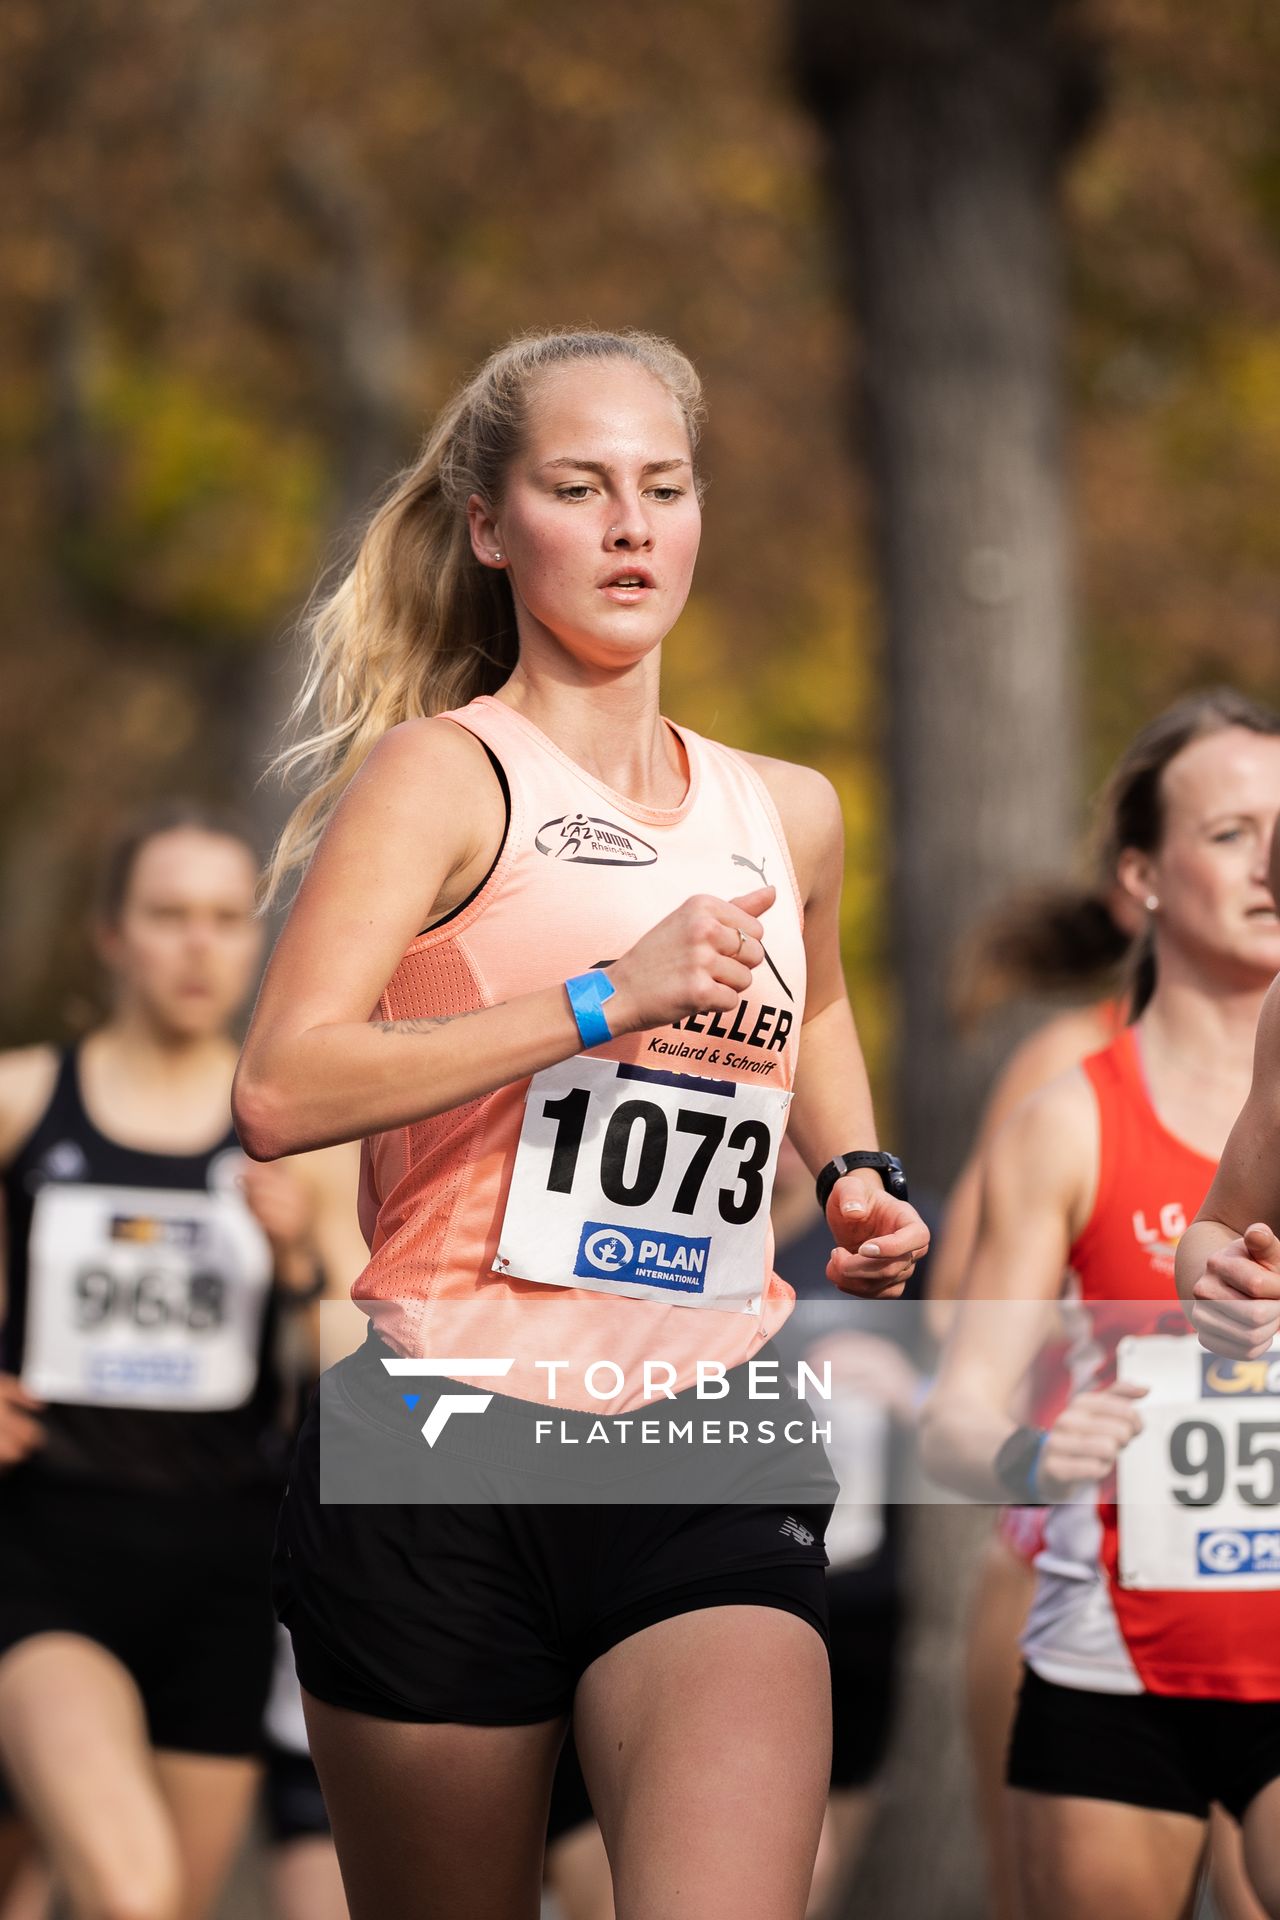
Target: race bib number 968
(644, 1183)
(1199, 1488)
(151, 1299)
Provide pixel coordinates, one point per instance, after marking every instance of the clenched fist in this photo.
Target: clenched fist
(1237, 1297)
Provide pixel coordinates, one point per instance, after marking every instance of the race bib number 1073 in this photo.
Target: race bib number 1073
(634, 1181)
(1199, 1488)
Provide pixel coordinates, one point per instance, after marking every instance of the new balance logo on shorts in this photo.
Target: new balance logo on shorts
(453, 1368)
(793, 1530)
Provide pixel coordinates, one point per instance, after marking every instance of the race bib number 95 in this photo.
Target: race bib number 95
(649, 1184)
(1199, 1489)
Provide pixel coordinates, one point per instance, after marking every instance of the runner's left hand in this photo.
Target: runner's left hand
(283, 1206)
(878, 1238)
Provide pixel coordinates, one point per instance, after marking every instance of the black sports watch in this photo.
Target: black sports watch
(887, 1165)
(1016, 1465)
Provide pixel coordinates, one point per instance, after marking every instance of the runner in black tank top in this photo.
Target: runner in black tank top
(142, 1429)
(154, 1286)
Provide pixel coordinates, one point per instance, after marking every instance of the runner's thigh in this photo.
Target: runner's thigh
(1261, 1828)
(706, 1742)
(1083, 1859)
(432, 1820)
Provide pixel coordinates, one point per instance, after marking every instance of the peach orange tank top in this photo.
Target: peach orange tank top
(615, 1207)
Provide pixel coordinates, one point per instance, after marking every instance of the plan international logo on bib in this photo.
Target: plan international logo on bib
(658, 1259)
(1229, 1550)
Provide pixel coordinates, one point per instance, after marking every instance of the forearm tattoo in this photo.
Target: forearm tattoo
(426, 1022)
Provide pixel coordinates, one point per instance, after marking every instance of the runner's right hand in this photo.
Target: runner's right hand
(1087, 1436)
(19, 1433)
(1237, 1297)
(689, 963)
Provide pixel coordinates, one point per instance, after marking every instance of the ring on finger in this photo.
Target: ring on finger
(742, 941)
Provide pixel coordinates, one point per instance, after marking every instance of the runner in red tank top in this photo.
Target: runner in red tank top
(521, 579)
(1153, 1682)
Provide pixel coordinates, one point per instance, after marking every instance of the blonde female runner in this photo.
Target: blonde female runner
(552, 959)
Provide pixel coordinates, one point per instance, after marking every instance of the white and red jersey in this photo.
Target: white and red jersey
(582, 1213)
(1099, 1620)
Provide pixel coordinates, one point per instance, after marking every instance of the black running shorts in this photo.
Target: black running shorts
(1144, 1749)
(177, 1587)
(489, 1614)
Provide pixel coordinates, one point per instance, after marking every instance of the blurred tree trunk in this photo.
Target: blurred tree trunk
(946, 123)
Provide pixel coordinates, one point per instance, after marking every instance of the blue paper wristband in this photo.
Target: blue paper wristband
(587, 994)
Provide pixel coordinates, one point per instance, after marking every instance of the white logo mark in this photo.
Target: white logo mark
(1225, 1551)
(609, 1250)
(434, 1424)
(794, 1531)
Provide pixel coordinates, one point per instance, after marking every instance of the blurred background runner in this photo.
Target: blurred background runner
(1148, 1692)
(151, 1275)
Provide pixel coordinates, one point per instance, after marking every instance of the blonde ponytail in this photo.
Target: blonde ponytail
(416, 625)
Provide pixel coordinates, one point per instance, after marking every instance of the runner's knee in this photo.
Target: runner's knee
(139, 1885)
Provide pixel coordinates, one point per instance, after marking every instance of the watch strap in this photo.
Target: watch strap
(887, 1165)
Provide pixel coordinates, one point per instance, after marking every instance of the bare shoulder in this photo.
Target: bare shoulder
(1048, 1144)
(794, 789)
(27, 1075)
(423, 758)
(423, 815)
(1051, 1050)
(809, 809)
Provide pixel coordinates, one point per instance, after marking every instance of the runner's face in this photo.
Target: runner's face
(1221, 802)
(185, 947)
(603, 489)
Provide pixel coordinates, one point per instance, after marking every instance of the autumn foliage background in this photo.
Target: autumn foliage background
(248, 249)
